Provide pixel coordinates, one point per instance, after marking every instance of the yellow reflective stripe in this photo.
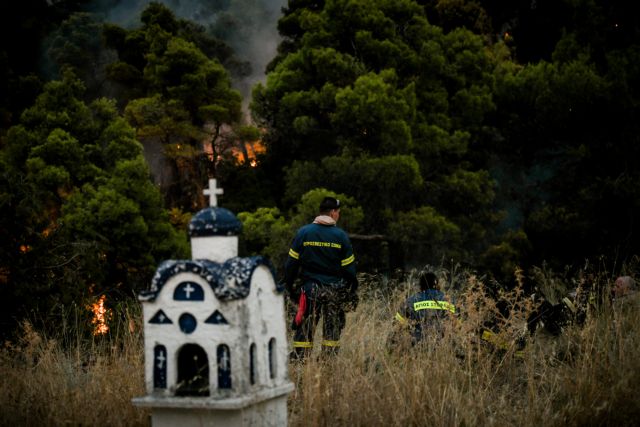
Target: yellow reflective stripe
(494, 339)
(303, 344)
(347, 261)
(323, 244)
(329, 343)
(487, 336)
(434, 305)
(519, 354)
(401, 319)
(449, 306)
(293, 254)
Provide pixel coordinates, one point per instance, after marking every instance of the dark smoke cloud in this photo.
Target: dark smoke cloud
(247, 26)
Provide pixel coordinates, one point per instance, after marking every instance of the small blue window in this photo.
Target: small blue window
(187, 323)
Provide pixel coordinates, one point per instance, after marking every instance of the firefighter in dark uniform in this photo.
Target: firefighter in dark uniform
(321, 254)
(425, 312)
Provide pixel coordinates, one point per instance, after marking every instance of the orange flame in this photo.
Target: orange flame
(101, 315)
(253, 149)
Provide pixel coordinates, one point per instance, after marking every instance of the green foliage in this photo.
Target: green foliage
(378, 184)
(502, 259)
(351, 214)
(428, 232)
(77, 45)
(451, 14)
(181, 72)
(248, 133)
(370, 100)
(154, 118)
(561, 174)
(179, 93)
(79, 209)
(373, 116)
(265, 232)
(415, 109)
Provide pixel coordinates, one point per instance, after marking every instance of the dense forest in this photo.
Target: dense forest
(492, 134)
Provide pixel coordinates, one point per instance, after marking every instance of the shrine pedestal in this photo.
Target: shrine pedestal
(264, 408)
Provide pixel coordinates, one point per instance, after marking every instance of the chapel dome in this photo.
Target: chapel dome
(214, 221)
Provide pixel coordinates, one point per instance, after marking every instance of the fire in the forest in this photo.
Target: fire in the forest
(101, 315)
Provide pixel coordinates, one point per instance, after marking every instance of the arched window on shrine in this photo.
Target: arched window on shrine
(159, 366)
(272, 358)
(193, 371)
(223, 356)
(252, 364)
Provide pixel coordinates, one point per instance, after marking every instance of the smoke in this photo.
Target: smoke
(249, 27)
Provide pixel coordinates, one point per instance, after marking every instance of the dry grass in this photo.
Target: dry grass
(68, 380)
(588, 376)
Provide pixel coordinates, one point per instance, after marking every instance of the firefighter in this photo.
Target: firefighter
(322, 255)
(425, 312)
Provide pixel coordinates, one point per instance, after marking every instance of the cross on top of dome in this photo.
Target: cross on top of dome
(213, 192)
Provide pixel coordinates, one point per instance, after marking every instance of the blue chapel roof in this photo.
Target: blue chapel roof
(214, 221)
(229, 280)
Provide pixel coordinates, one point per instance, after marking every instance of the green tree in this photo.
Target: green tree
(373, 116)
(368, 99)
(452, 14)
(425, 236)
(380, 184)
(79, 212)
(351, 214)
(569, 135)
(25, 28)
(77, 45)
(178, 95)
(265, 232)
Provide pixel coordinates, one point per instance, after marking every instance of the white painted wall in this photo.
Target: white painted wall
(217, 248)
(254, 319)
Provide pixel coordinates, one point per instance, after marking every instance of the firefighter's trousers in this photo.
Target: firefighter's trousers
(328, 302)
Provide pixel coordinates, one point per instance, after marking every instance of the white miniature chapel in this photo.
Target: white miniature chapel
(214, 333)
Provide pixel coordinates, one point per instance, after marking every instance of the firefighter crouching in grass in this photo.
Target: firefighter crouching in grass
(425, 312)
(322, 255)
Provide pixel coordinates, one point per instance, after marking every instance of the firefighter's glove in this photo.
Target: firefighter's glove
(300, 314)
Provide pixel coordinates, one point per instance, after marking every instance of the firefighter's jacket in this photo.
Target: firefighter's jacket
(425, 312)
(321, 253)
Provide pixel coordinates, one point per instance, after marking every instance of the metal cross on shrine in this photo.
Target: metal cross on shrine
(161, 358)
(213, 192)
(224, 360)
(188, 289)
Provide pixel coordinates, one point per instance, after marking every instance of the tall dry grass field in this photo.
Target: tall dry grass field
(73, 378)
(590, 375)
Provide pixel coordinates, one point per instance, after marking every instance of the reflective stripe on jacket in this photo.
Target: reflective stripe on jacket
(323, 253)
